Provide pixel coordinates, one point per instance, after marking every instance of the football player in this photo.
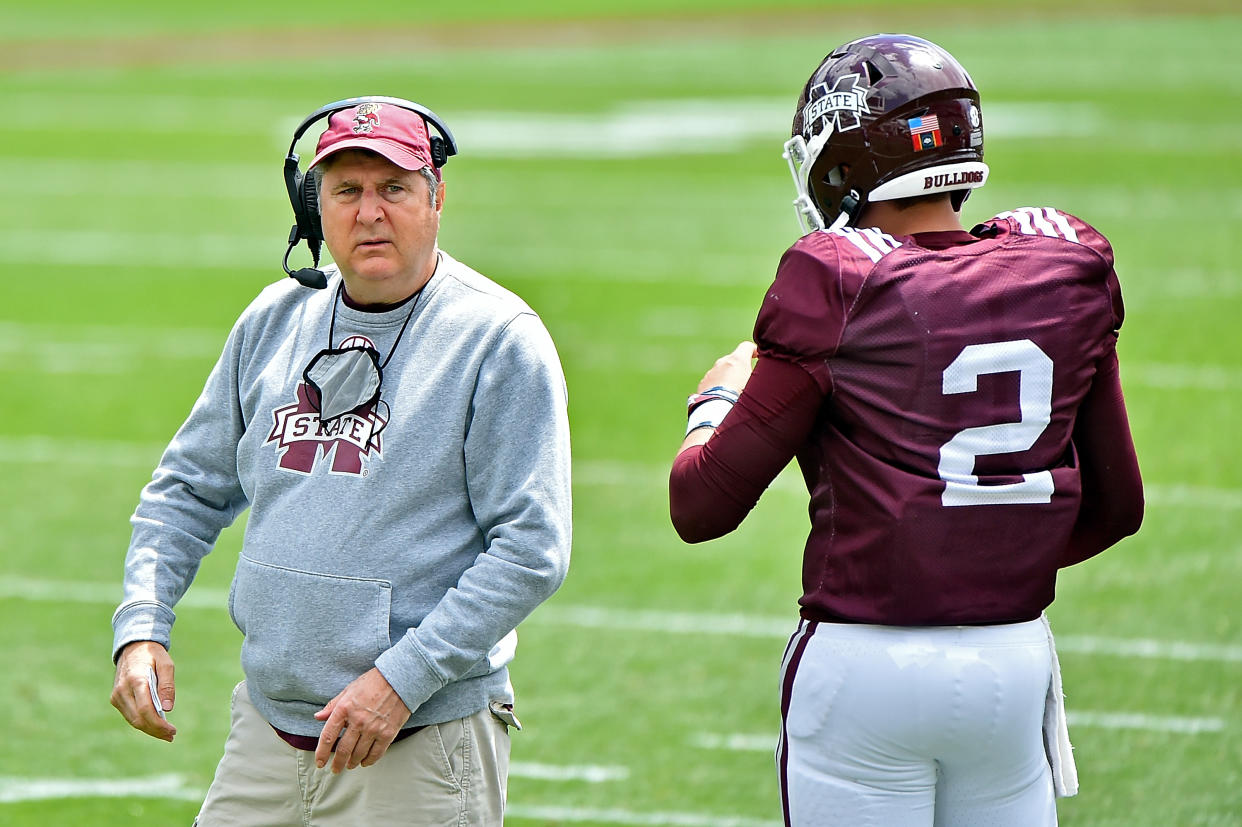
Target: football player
(953, 400)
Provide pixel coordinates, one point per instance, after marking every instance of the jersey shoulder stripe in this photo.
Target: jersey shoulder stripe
(1042, 221)
(1046, 222)
(873, 243)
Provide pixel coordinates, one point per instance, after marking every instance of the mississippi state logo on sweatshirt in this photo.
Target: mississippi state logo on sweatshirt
(302, 439)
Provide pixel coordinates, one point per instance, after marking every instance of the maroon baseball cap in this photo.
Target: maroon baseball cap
(398, 134)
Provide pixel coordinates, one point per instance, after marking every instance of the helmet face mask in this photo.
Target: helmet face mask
(881, 118)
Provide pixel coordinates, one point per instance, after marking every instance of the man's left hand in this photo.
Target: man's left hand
(362, 721)
(732, 370)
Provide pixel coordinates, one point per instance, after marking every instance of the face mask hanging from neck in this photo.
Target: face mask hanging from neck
(349, 379)
(344, 380)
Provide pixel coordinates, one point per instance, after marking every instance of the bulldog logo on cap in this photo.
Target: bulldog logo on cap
(400, 135)
(367, 118)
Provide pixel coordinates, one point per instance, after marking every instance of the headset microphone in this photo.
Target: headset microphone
(307, 276)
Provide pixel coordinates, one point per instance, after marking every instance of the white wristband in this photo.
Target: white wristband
(708, 415)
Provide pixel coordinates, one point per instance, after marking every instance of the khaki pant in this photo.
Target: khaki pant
(453, 773)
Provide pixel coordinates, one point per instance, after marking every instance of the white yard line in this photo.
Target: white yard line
(643, 620)
(14, 788)
(101, 351)
(1196, 496)
(46, 449)
(629, 129)
(1147, 648)
(186, 251)
(49, 450)
(760, 626)
(736, 741)
(629, 817)
(605, 473)
(1180, 725)
(664, 622)
(96, 348)
(69, 591)
(590, 773)
(1152, 723)
(1169, 376)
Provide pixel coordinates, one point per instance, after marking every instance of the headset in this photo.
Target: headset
(301, 187)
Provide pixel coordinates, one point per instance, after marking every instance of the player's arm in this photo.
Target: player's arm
(720, 473)
(1112, 487)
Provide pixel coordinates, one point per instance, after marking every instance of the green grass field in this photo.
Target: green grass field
(621, 171)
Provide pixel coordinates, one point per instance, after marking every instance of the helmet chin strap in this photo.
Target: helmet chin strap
(841, 221)
(851, 206)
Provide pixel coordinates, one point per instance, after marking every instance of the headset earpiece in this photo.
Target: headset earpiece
(310, 205)
(439, 152)
(293, 185)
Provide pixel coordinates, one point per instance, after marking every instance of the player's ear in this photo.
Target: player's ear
(440, 196)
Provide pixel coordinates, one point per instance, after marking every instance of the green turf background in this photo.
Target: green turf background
(141, 208)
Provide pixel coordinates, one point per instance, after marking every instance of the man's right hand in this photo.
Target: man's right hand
(131, 693)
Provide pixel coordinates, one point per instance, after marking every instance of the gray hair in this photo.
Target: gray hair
(316, 175)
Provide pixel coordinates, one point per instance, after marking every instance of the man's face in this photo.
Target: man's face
(379, 225)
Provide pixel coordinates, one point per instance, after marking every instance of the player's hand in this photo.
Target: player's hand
(131, 692)
(362, 721)
(732, 370)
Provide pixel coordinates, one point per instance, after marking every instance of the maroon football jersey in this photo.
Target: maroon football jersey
(951, 367)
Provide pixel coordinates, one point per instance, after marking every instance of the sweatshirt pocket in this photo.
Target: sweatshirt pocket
(307, 635)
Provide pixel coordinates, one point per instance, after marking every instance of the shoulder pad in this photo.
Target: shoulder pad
(1052, 223)
(868, 242)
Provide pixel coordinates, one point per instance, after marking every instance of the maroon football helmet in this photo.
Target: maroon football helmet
(883, 117)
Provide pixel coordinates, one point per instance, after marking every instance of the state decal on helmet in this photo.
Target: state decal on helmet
(883, 117)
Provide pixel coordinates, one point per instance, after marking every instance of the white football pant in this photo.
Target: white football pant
(896, 727)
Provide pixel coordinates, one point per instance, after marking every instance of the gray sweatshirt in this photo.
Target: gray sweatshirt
(417, 549)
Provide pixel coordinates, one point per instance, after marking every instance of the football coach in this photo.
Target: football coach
(396, 423)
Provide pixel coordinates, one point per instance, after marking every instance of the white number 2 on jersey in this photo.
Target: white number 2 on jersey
(957, 456)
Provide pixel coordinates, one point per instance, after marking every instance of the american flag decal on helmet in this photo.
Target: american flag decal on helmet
(925, 132)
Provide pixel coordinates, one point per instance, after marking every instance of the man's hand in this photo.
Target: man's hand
(732, 370)
(131, 694)
(365, 717)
